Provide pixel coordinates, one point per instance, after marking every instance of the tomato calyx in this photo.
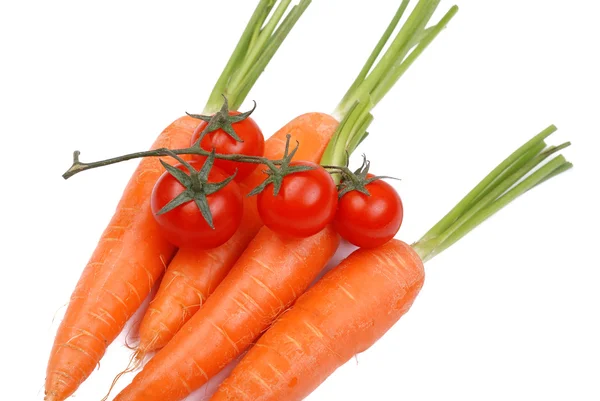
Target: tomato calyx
(276, 172)
(221, 120)
(197, 186)
(357, 180)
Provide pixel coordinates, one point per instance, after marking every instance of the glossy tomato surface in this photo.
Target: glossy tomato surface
(185, 226)
(305, 204)
(369, 221)
(253, 145)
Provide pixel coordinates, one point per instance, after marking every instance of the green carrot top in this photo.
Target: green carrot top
(376, 79)
(256, 47)
(514, 176)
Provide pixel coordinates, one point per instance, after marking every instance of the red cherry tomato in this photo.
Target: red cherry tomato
(185, 226)
(253, 145)
(305, 204)
(369, 221)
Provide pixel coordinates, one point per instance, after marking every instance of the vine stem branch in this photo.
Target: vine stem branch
(79, 166)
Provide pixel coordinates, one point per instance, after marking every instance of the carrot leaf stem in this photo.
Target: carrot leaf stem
(256, 20)
(375, 53)
(551, 169)
(515, 166)
(270, 49)
(376, 78)
(349, 133)
(258, 43)
(254, 50)
(513, 177)
(423, 42)
(486, 184)
(491, 196)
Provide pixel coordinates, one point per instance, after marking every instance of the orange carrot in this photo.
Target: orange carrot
(131, 254)
(272, 271)
(264, 282)
(349, 309)
(194, 274)
(354, 304)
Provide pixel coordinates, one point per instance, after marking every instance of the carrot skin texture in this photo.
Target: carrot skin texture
(345, 313)
(131, 255)
(264, 282)
(190, 279)
(194, 274)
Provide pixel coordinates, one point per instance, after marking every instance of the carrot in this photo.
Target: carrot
(362, 298)
(343, 314)
(129, 258)
(272, 271)
(262, 284)
(194, 274)
(131, 255)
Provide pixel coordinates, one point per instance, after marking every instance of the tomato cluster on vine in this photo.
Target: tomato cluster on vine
(200, 203)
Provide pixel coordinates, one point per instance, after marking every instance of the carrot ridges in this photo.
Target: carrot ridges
(193, 272)
(223, 329)
(117, 278)
(343, 314)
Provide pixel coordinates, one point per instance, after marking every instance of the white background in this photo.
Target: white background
(509, 313)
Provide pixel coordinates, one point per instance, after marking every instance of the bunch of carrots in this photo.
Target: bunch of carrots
(244, 225)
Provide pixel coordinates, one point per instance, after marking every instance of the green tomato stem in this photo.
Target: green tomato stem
(79, 166)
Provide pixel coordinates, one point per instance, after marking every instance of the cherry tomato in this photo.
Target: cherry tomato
(253, 145)
(184, 226)
(369, 221)
(305, 204)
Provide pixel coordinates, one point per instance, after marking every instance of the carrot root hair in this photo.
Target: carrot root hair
(144, 348)
(129, 337)
(57, 311)
(135, 363)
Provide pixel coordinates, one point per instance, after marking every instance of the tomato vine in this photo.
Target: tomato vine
(195, 182)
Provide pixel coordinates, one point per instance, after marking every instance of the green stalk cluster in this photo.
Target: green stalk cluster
(376, 79)
(517, 174)
(257, 45)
